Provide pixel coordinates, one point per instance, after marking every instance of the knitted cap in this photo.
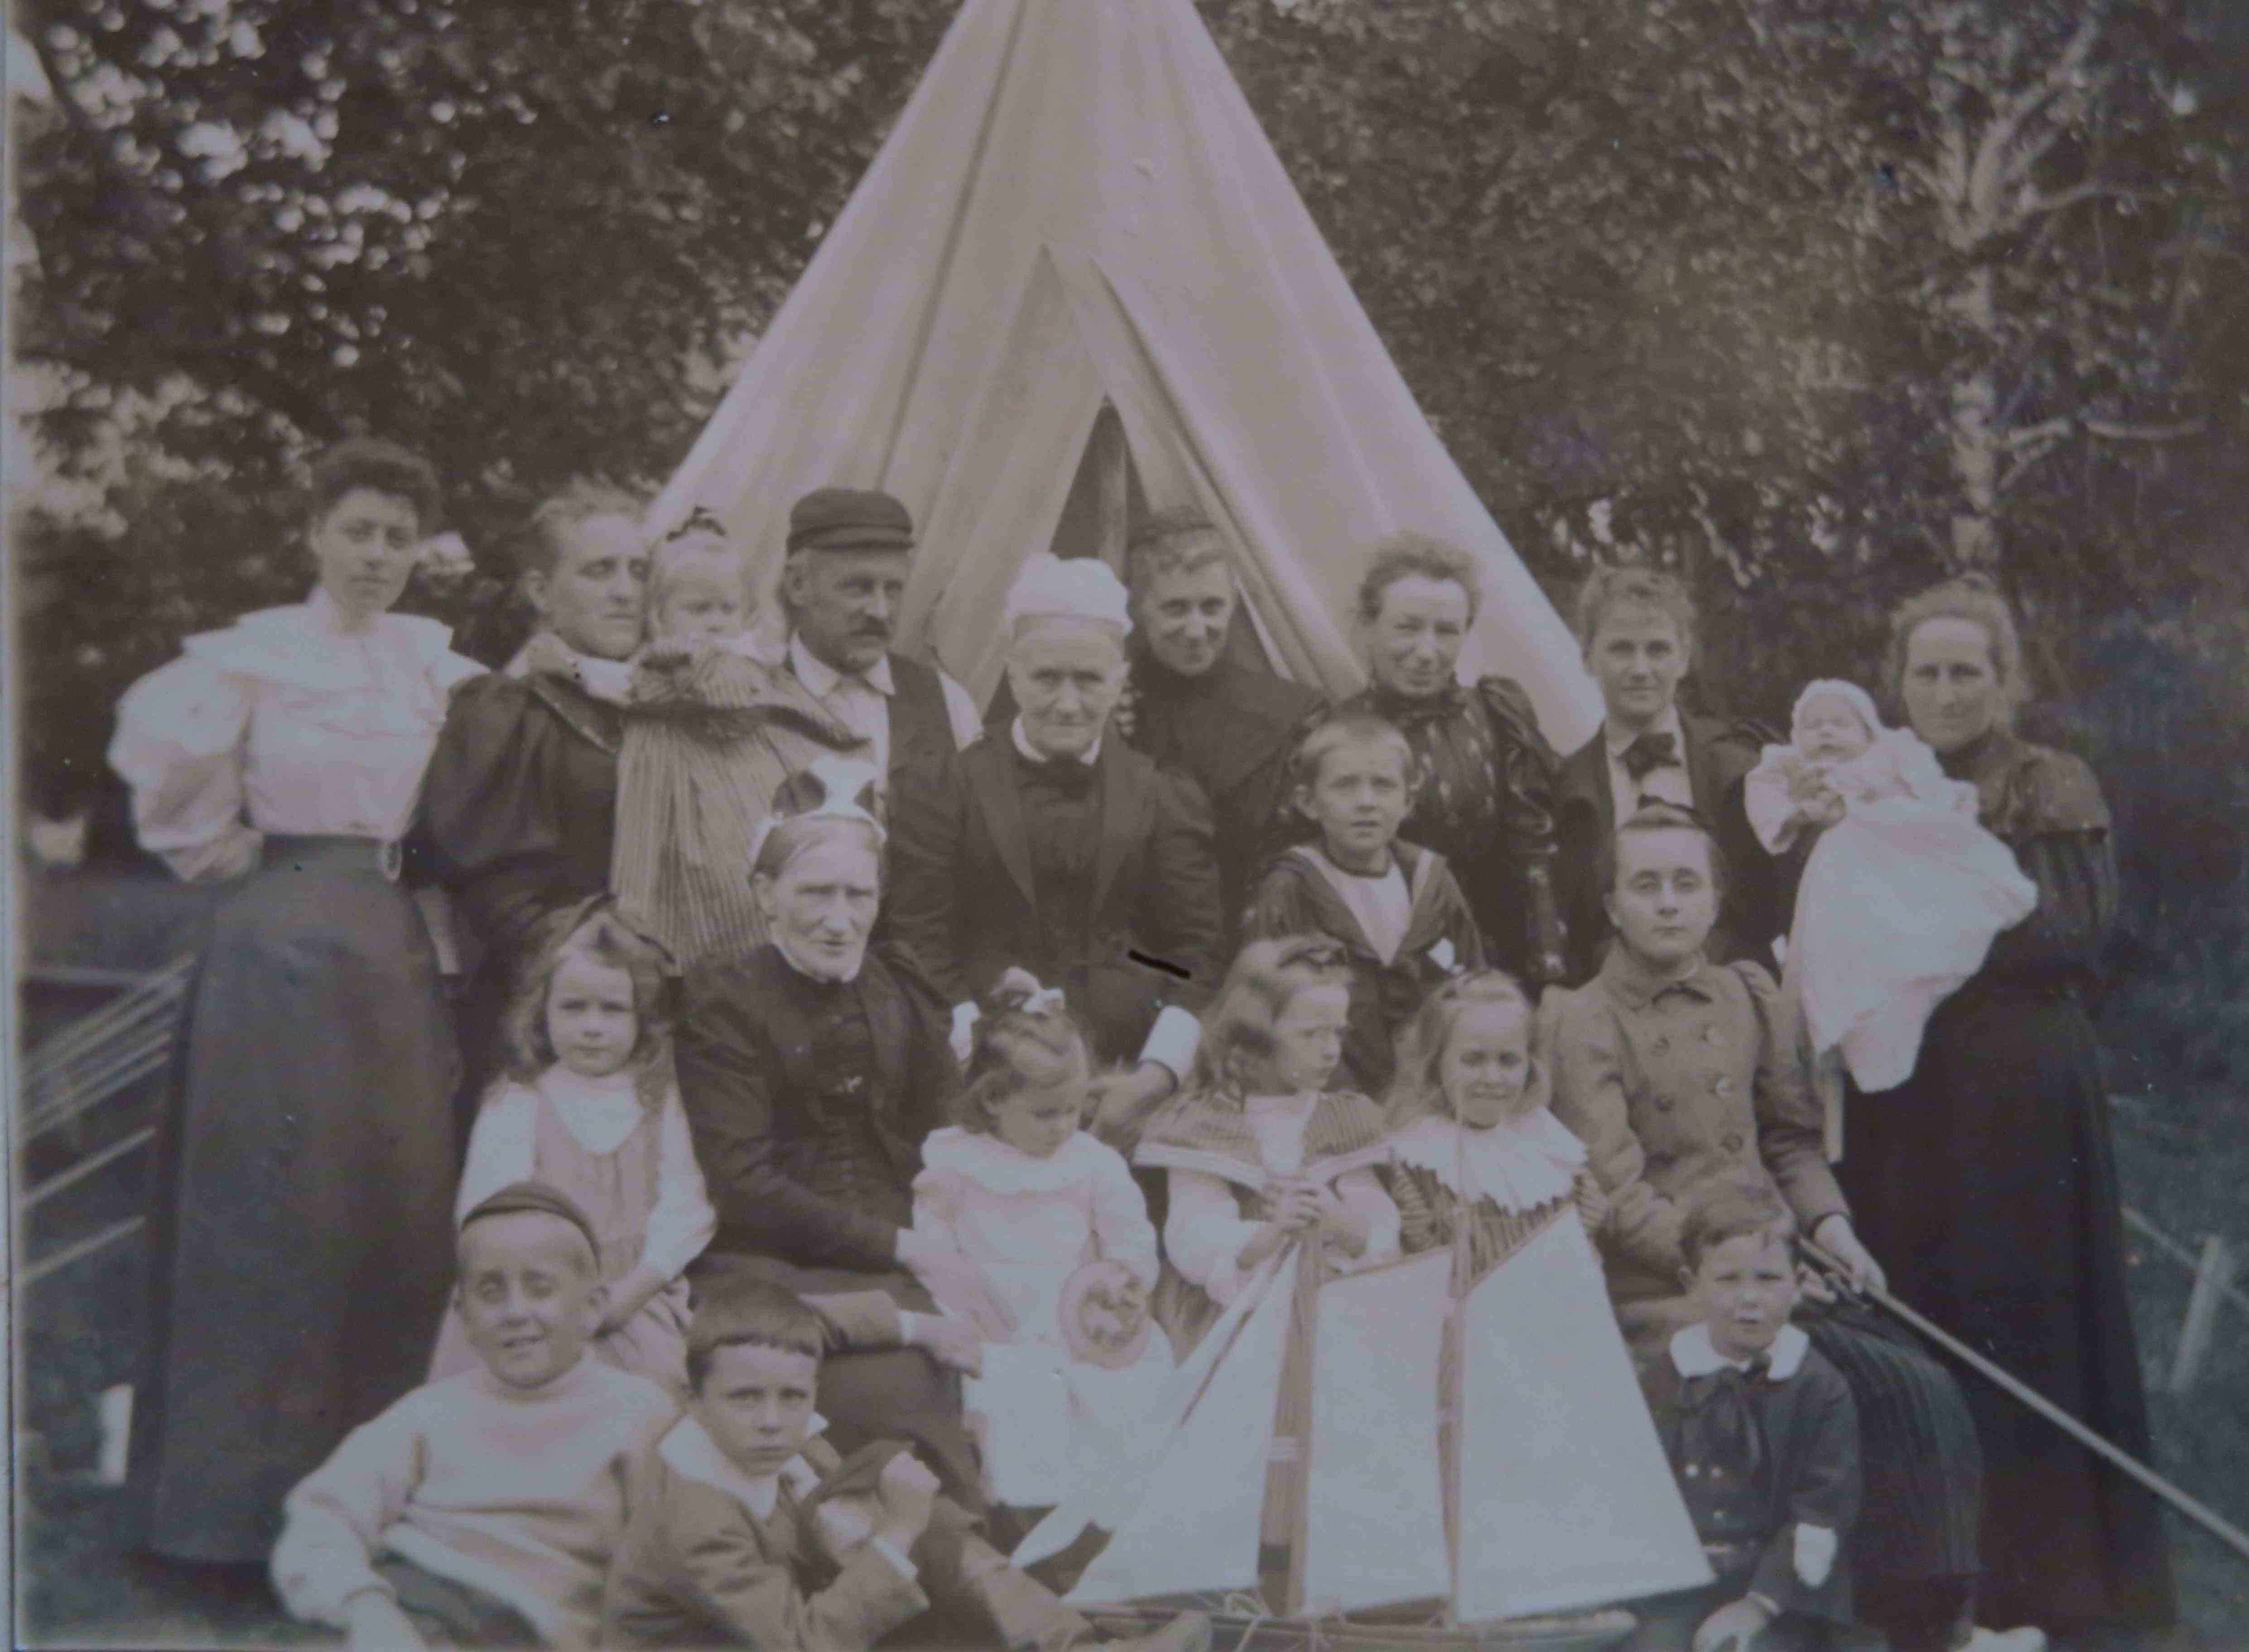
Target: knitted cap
(519, 1196)
(1052, 587)
(849, 519)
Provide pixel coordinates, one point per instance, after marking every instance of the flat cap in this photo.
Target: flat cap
(849, 519)
(517, 1197)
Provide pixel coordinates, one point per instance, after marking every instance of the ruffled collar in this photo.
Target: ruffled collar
(315, 645)
(995, 1166)
(1519, 1164)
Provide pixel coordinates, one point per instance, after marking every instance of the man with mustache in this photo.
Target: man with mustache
(840, 590)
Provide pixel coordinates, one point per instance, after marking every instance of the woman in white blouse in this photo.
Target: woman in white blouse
(302, 1220)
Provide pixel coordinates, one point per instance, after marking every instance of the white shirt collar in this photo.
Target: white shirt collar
(1616, 739)
(690, 1451)
(1693, 1355)
(1031, 754)
(821, 678)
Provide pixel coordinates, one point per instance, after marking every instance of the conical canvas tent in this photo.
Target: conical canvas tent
(1077, 211)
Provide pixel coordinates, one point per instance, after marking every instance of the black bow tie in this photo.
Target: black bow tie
(1720, 1424)
(1649, 752)
(1065, 776)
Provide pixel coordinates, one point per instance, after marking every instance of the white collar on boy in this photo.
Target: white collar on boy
(689, 1450)
(1693, 1355)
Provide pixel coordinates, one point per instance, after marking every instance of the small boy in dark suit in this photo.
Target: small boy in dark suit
(747, 1530)
(1762, 1435)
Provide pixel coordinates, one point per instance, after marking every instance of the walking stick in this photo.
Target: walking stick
(2201, 1513)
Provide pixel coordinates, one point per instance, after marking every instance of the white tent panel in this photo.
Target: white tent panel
(1103, 143)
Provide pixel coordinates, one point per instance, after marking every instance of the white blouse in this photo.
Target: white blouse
(1205, 1230)
(599, 1114)
(292, 720)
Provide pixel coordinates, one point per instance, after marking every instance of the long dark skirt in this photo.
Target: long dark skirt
(301, 1237)
(1987, 1186)
(870, 1395)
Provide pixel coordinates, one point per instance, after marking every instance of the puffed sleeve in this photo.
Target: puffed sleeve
(489, 808)
(1205, 1232)
(1764, 798)
(1590, 1096)
(182, 737)
(681, 1221)
(1120, 1215)
(1791, 1123)
(2058, 825)
(1528, 767)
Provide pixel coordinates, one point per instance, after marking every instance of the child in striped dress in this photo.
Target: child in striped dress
(712, 732)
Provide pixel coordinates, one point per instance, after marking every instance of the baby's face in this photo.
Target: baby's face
(704, 603)
(1828, 731)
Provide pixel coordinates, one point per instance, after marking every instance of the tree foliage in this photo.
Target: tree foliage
(1809, 300)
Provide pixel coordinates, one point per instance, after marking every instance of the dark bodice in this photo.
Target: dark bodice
(833, 1147)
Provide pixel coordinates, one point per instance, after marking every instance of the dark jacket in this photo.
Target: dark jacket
(964, 898)
(1807, 1472)
(1295, 898)
(745, 1044)
(1759, 888)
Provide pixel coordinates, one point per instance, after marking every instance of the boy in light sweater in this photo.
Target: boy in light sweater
(482, 1510)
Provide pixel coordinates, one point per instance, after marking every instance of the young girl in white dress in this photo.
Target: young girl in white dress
(1903, 894)
(1058, 1225)
(588, 1106)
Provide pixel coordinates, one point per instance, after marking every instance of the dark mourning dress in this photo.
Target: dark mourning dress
(1987, 1185)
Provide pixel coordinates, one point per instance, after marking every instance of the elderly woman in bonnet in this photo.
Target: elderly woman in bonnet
(1051, 845)
(812, 1069)
(1483, 774)
(302, 1235)
(1987, 1181)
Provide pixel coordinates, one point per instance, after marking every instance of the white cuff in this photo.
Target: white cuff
(889, 1551)
(1815, 1553)
(1172, 1041)
(907, 1320)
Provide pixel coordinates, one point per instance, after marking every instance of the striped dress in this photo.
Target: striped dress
(708, 739)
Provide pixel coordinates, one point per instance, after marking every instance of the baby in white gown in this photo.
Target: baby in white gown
(1058, 1225)
(1903, 894)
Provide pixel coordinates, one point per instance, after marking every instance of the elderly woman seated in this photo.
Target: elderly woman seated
(811, 1070)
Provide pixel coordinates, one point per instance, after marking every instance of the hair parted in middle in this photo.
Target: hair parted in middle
(1026, 1039)
(539, 547)
(1615, 584)
(1416, 556)
(1178, 539)
(1417, 1090)
(1660, 816)
(1976, 599)
(592, 929)
(1238, 1041)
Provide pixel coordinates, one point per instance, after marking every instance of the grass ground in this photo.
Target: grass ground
(2184, 1154)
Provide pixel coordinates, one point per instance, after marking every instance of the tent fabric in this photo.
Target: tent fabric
(1078, 206)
